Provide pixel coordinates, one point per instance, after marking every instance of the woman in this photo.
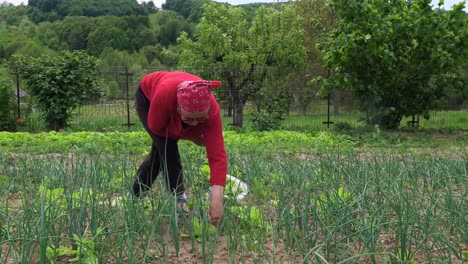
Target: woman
(179, 105)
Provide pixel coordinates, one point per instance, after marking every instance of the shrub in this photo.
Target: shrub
(265, 121)
(7, 120)
(59, 84)
(270, 111)
(343, 127)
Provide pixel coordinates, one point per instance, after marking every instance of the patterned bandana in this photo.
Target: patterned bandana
(194, 96)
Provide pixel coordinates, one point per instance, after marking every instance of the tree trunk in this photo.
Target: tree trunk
(238, 117)
(336, 99)
(303, 109)
(228, 110)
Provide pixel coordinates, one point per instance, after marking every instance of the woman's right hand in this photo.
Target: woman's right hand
(216, 211)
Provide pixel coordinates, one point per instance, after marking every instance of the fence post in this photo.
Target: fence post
(414, 121)
(18, 96)
(328, 122)
(127, 74)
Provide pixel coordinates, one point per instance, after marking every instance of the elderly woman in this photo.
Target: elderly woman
(174, 106)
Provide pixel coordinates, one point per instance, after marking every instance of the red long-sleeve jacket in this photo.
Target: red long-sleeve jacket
(164, 120)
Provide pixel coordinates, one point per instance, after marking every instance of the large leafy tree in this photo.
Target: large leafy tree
(397, 56)
(58, 84)
(244, 54)
(73, 32)
(52, 10)
(11, 15)
(109, 32)
(318, 20)
(189, 9)
(167, 26)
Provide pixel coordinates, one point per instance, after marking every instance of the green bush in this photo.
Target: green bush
(343, 127)
(265, 121)
(59, 84)
(7, 120)
(270, 112)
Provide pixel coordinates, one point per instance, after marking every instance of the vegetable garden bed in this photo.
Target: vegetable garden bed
(313, 198)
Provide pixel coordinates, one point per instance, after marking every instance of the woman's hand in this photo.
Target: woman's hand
(216, 212)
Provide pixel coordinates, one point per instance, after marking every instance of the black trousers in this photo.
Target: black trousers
(164, 156)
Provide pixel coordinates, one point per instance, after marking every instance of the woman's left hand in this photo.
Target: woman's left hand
(216, 212)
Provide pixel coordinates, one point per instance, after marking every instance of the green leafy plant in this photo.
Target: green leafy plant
(7, 121)
(404, 257)
(343, 127)
(53, 253)
(333, 204)
(86, 249)
(54, 201)
(333, 198)
(265, 121)
(85, 253)
(251, 222)
(376, 134)
(197, 229)
(58, 84)
(270, 111)
(395, 72)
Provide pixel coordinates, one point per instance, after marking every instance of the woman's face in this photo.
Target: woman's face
(193, 119)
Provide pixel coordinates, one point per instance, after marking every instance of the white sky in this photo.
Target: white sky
(447, 3)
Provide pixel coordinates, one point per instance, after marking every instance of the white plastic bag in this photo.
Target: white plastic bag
(240, 184)
(237, 183)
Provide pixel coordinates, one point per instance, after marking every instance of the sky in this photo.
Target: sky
(447, 4)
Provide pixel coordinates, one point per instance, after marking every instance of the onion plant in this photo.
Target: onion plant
(335, 205)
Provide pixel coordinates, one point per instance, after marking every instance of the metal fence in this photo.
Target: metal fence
(305, 109)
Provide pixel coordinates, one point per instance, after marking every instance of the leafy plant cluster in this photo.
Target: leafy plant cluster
(59, 84)
(242, 143)
(401, 58)
(7, 120)
(270, 112)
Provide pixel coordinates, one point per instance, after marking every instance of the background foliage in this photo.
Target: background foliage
(366, 48)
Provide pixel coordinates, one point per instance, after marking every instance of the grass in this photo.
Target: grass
(315, 198)
(114, 116)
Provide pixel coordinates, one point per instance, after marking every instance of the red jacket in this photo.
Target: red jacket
(164, 120)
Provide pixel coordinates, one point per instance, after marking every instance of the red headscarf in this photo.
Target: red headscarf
(194, 96)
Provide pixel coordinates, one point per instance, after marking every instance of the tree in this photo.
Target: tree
(153, 54)
(52, 10)
(47, 35)
(150, 7)
(244, 55)
(183, 7)
(142, 37)
(73, 32)
(32, 49)
(10, 14)
(58, 84)
(168, 25)
(318, 20)
(396, 56)
(109, 32)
